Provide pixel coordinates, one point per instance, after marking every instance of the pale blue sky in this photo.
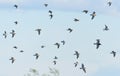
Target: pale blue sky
(31, 15)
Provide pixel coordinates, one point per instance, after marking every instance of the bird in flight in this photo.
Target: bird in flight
(12, 59)
(76, 20)
(83, 68)
(55, 57)
(109, 3)
(39, 31)
(70, 30)
(63, 42)
(76, 63)
(97, 43)
(16, 22)
(77, 54)
(106, 28)
(93, 15)
(54, 62)
(85, 11)
(21, 51)
(42, 46)
(5, 34)
(15, 47)
(16, 6)
(13, 33)
(51, 16)
(114, 53)
(58, 45)
(50, 12)
(36, 55)
(45, 5)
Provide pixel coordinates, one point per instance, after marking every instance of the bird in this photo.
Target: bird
(5, 34)
(12, 59)
(15, 47)
(97, 43)
(106, 28)
(54, 62)
(93, 15)
(70, 30)
(83, 68)
(42, 46)
(58, 45)
(114, 53)
(16, 22)
(51, 16)
(50, 11)
(16, 6)
(21, 51)
(85, 11)
(39, 31)
(45, 5)
(77, 54)
(76, 63)
(63, 42)
(55, 57)
(109, 3)
(76, 20)
(36, 55)
(13, 33)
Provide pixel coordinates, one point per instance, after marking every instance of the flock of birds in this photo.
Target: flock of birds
(76, 54)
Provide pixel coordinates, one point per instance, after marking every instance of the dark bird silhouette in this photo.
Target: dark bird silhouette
(76, 63)
(114, 53)
(54, 62)
(55, 57)
(77, 54)
(16, 6)
(63, 42)
(50, 11)
(13, 33)
(21, 51)
(15, 47)
(42, 46)
(85, 11)
(16, 22)
(5, 34)
(109, 3)
(51, 16)
(39, 31)
(45, 5)
(97, 43)
(12, 59)
(58, 45)
(36, 55)
(76, 20)
(70, 30)
(83, 68)
(93, 15)
(106, 28)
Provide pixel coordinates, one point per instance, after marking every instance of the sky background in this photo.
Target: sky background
(31, 14)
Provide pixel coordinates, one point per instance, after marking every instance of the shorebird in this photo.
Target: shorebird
(106, 28)
(76, 20)
(50, 11)
(70, 30)
(21, 51)
(58, 45)
(93, 15)
(63, 42)
(36, 55)
(83, 68)
(16, 22)
(39, 31)
(42, 46)
(114, 53)
(15, 47)
(5, 34)
(13, 33)
(55, 57)
(12, 59)
(77, 54)
(76, 63)
(51, 16)
(55, 62)
(85, 11)
(97, 43)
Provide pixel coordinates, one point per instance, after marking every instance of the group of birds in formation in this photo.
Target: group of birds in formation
(98, 43)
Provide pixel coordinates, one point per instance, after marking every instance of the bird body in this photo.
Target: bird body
(85, 11)
(109, 3)
(16, 6)
(39, 31)
(93, 15)
(5, 34)
(76, 20)
(12, 59)
(70, 30)
(13, 33)
(58, 45)
(97, 43)
(106, 28)
(76, 63)
(77, 54)
(83, 68)
(63, 42)
(45, 5)
(114, 53)
(36, 55)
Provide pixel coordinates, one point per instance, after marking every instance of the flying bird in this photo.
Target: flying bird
(15, 47)
(39, 31)
(106, 28)
(97, 43)
(83, 68)
(114, 53)
(36, 55)
(16, 22)
(109, 3)
(76, 63)
(45, 5)
(54, 62)
(16, 6)
(5, 34)
(21, 51)
(42, 46)
(70, 30)
(63, 42)
(51, 16)
(12, 59)
(13, 33)
(55, 57)
(76, 20)
(77, 54)
(50, 11)
(93, 15)
(85, 11)
(58, 45)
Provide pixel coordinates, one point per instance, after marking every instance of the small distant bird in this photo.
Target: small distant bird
(114, 53)
(63, 42)
(77, 54)
(5, 34)
(106, 28)
(50, 11)
(93, 15)
(83, 68)
(21, 51)
(45, 5)
(39, 31)
(16, 22)
(109, 3)
(16, 6)
(55, 57)
(70, 30)
(58, 45)
(51, 16)
(85, 11)
(55, 62)
(76, 20)
(36, 55)
(42, 46)
(12, 59)
(15, 47)
(76, 63)
(13, 33)
(97, 43)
